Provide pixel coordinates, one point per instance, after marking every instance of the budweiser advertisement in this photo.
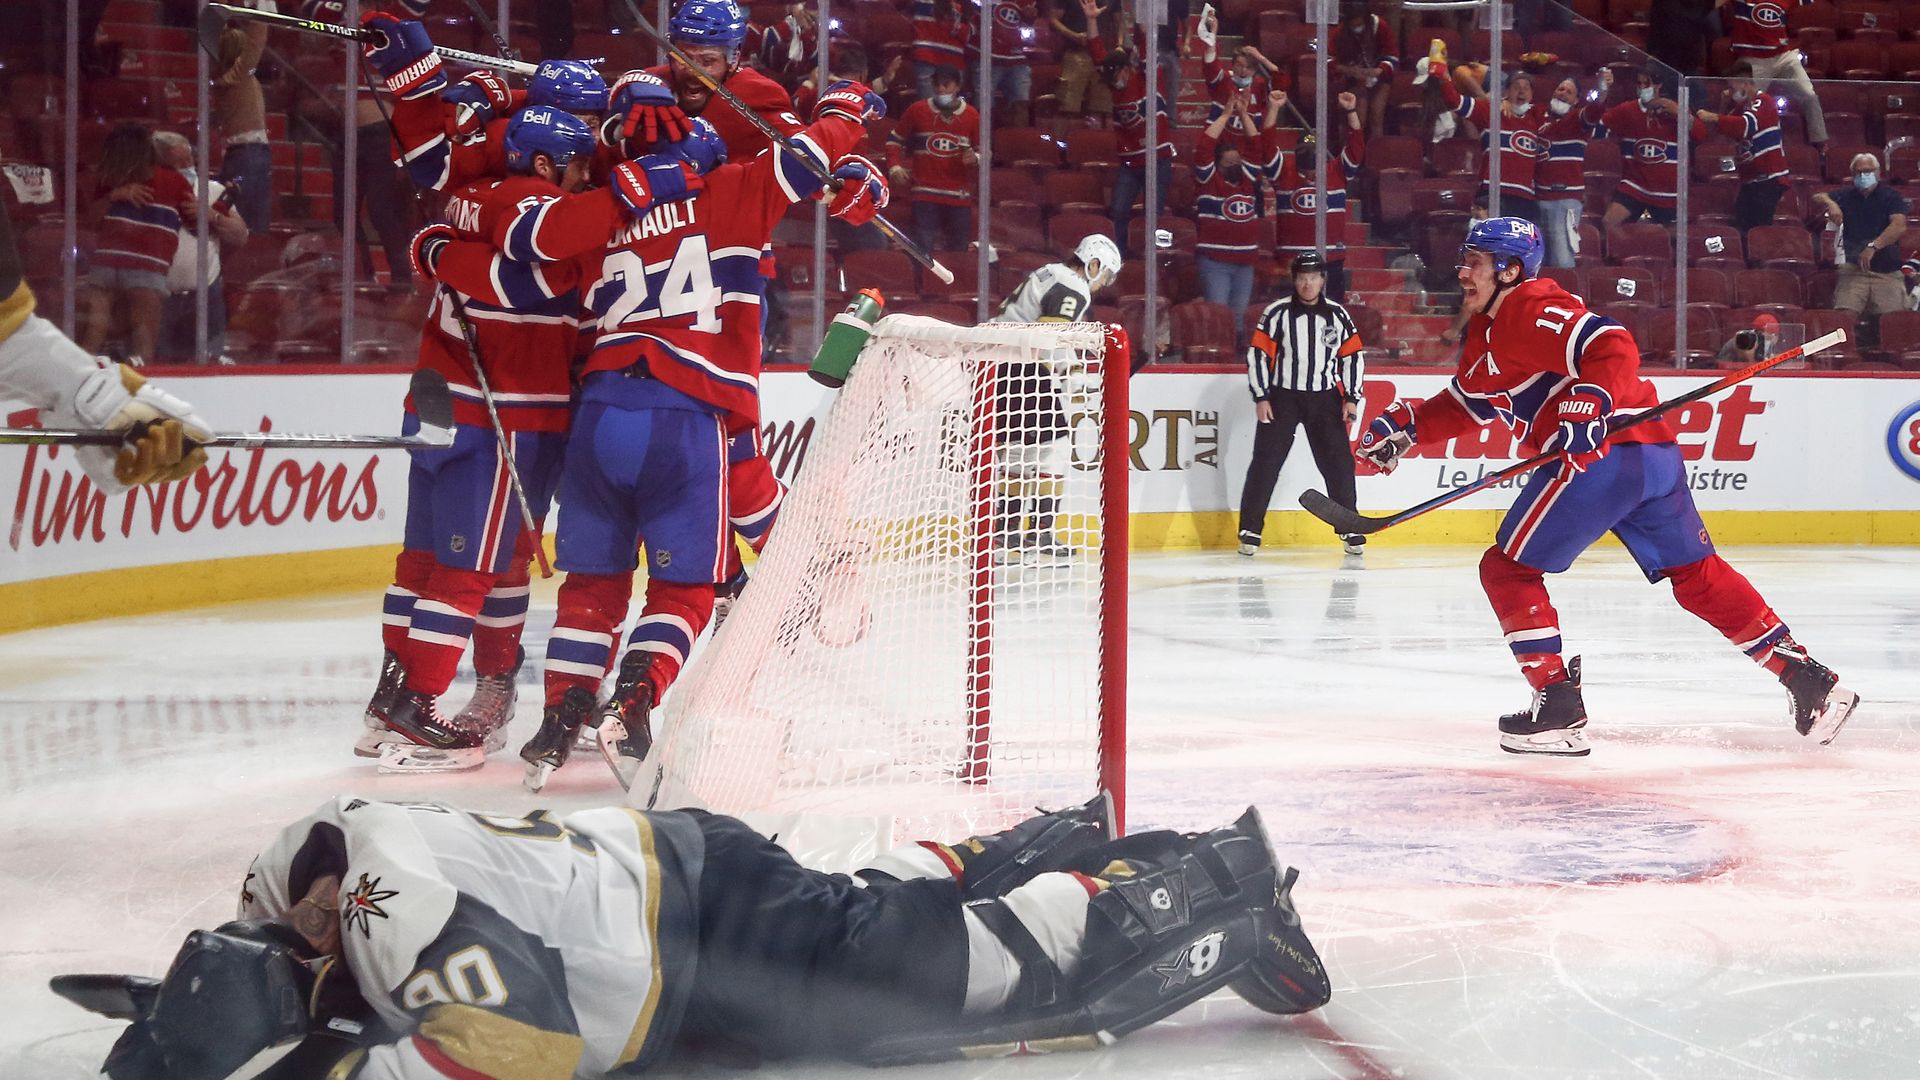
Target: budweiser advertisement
(1787, 443)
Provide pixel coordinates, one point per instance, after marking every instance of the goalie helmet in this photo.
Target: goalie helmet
(230, 994)
(568, 85)
(559, 135)
(708, 22)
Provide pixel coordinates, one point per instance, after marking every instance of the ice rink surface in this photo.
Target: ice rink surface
(1705, 897)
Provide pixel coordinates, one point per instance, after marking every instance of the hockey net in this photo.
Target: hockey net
(933, 642)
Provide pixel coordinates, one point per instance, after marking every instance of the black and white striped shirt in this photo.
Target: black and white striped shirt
(1307, 347)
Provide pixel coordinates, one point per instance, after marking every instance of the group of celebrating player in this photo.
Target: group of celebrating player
(602, 344)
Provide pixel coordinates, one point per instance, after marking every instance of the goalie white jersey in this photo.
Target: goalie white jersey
(481, 941)
(1054, 293)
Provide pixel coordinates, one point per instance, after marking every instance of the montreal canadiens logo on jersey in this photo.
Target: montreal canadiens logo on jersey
(945, 144)
(1007, 15)
(1528, 143)
(1302, 200)
(1238, 208)
(1768, 15)
(1650, 149)
(1903, 441)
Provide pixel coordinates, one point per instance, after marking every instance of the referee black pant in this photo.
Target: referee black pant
(1319, 412)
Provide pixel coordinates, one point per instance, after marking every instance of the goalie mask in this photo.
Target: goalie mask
(230, 994)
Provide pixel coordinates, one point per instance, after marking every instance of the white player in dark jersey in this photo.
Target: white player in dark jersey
(1030, 398)
(417, 941)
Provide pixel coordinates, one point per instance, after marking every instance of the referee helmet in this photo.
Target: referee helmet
(1308, 262)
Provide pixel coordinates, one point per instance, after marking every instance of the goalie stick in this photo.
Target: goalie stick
(213, 21)
(781, 142)
(1345, 521)
(432, 404)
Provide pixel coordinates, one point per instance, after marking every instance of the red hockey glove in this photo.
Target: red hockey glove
(863, 190)
(478, 99)
(849, 101)
(1582, 434)
(427, 246)
(403, 56)
(1389, 436)
(648, 111)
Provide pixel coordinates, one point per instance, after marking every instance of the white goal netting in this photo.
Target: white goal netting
(922, 642)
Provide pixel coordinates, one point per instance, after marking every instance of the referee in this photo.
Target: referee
(1304, 368)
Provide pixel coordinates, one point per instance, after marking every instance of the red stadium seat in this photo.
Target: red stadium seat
(1017, 185)
(1900, 332)
(1065, 231)
(1013, 146)
(966, 277)
(1018, 226)
(1858, 60)
(1570, 278)
(1396, 152)
(1716, 246)
(1705, 285)
(1093, 148)
(1822, 321)
(1639, 238)
(1902, 125)
(1846, 128)
(1752, 288)
(1783, 247)
(1068, 186)
(1621, 284)
(1456, 157)
(1840, 159)
(1820, 285)
(886, 271)
(1204, 325)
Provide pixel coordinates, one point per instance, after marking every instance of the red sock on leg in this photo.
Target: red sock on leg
(1729, 603)
(1527, 618)
(442, 626)
(673, 618)
(503, 615)
(410, 573)
(592, 607)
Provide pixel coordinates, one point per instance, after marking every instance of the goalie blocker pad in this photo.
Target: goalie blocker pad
(1209, 911)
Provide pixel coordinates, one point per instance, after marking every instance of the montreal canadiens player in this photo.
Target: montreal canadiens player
(464, 529)
(41, 366)
(1536, 360)
(417, 941)
(667, 257)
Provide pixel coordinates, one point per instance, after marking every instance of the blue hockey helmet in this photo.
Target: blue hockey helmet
(544, 130)
(1507, 238)
(702, 148)
(569, 85)
(708, 22)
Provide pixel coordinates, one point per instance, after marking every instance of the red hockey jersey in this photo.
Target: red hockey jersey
(1220, 88)
(435, 155)
(678, 289)
(1649, 152)
(757, 92)
(527, 324)
(1227, 204)
(1130, 112)
(1515, 368)
(1563, 174)
(1293, 218)
(1521, 147)
(1756, 130)
(931, 143)
(1759, 27)
(940, 37)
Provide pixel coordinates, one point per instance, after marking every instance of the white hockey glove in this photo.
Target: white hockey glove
(118, 398)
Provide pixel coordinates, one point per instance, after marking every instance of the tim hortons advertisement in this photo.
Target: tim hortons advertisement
(1784, 443)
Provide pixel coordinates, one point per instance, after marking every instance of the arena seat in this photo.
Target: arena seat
(966, 277)
(1782, 247)
(1639, 238)
(1093, 148)
(1016, 184)
(1705, 285)
(1201, 324)
(1899, 332)
(886, 271)
(1621, 284)
(1064, 231)
(1752, 288)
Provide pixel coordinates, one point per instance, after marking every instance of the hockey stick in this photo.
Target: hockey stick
(527, 523)
(901, 240)
(213, 21)
(432, 404)
(507, 52)
(1345, 521)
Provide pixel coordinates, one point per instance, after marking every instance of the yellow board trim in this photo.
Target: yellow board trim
(175, 586)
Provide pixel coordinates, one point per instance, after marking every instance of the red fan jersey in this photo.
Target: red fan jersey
(1130, 112)
(1756, 130)
(1227, 204)
(1220, 88)
(931, 143)
(1012, 29)
(677, 290)
(144, 237)
(1649, 151)
(527, 326)
(1293, 219)
(1759, 27)
(1515, 368)
(940, 37)
(1521, 147)
(1563, 174)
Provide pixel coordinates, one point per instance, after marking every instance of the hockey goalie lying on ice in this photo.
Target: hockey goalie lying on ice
(407, 941)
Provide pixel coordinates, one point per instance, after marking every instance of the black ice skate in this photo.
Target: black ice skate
(1354, 543)
(432, 743)
(1556, 724)
(490, 709)
(379, 732)
(1817, 702)
(725, 595)
(1249, 543)
(552, 745)
(626, 732)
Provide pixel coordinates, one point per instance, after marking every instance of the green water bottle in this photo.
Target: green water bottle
(846, 336)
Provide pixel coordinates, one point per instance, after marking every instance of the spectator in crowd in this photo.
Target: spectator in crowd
(1228, 205)
(385, 194)
(941, 36)
(1082, 96)
(789, 49)
(1648, 127)
(1521, 146)
(1753, 122)
(1123, 73)
(1872, 218)
(225, 228)
(1169, 19)
(1364, 51)
(1012, 75)
(1250, 76)
(240, 118)
(933, 153)
(136, 244)
(553, 28)
(1759, 341)
(1910, 283)
(1293, 182)
(1760, 35)
(1561, 179)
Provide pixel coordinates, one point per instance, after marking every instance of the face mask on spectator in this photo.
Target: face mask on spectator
(1646, 95)
(945, 101)
(1560, 108)
(1522, 108)
(1865, 180)
(192, 175)
(1243, 81)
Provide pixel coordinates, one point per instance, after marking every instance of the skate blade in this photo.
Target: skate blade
(1833, 715)
(1555, 744)
(612, 735)
(408, 758)
(372, 744)
(537, 774)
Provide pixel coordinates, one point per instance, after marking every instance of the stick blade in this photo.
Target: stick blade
(432, 401)
(117, 997)
(1342, 519)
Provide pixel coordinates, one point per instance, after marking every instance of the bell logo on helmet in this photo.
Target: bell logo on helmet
(1193, 962)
